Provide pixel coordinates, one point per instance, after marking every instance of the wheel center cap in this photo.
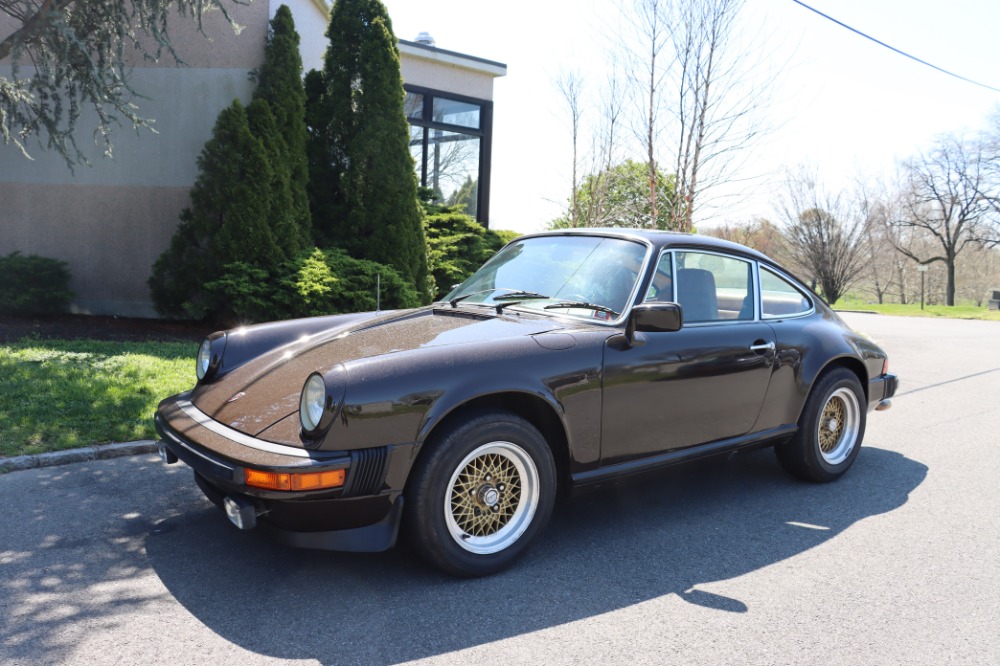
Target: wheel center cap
(832, 425)
(489, 495)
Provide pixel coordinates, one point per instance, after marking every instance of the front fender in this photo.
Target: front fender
(402, 397)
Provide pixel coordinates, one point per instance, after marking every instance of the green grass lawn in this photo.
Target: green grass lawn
(961, 311)
(59, 394)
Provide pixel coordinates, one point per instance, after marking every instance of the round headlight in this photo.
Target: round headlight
(204, 359)
(312, 403)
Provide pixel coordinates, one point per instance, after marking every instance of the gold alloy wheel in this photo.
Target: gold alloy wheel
(492, 497)
(837, 430)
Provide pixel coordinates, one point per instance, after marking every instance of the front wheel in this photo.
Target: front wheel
(483, 490)
(830, 431)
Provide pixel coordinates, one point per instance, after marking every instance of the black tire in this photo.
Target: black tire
(831, 428)
(480, 493)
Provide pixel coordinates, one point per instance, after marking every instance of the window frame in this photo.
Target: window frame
(484, 133)
(754, 280)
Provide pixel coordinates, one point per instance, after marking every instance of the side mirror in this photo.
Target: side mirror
(653, 318)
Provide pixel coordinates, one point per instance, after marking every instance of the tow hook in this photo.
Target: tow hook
(166, 455)
(241, 512)
(884, 405)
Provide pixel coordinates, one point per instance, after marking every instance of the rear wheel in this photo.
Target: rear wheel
(482, 491)
(831, 428)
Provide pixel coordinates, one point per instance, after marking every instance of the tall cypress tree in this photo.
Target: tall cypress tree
(362, 183)
(229, 218)
(279, 83)
(284, 214)
(250, 202)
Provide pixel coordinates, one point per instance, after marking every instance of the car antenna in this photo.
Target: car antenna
(378, 293)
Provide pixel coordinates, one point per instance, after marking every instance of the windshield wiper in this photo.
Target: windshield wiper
(582, 304)
(513, 294)
(519, 295)
(458, 299)
(501, 306)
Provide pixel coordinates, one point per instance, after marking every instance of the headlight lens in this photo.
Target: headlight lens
(312, 402)
(204, 359)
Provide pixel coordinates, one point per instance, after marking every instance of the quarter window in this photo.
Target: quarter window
(779, 297)
(662, 287)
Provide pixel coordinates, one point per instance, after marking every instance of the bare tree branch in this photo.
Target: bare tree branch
(950, 195)
(67, 56)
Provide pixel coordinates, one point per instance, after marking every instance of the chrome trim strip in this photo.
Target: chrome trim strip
(184, 445)
(203, 419)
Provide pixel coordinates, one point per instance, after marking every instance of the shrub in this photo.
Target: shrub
(316, 282)
(457, 245)
(33, 285)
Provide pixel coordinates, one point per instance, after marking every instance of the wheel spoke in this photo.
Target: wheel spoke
(489, 471)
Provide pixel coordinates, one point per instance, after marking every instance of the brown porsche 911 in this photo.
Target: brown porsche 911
(569, 358)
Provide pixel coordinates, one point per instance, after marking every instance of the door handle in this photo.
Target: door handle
(761, 346)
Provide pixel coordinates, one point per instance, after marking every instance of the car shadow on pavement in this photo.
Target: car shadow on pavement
(664, 534)
(102, 553)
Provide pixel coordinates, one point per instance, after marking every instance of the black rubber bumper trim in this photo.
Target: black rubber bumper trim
(889, 385)
(373, 538)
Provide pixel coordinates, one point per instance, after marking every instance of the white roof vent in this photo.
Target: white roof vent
(425, 38)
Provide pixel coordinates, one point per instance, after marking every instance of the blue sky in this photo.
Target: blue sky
(839, 102)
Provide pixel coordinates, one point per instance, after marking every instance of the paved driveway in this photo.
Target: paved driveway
(122, 561)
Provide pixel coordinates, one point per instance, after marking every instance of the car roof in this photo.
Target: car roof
(660, 239)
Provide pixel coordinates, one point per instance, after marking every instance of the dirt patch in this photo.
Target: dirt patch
(87, 327)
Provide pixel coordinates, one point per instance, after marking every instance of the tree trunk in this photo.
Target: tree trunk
(950, 297)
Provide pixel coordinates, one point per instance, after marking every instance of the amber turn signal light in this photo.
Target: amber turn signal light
(295, 481)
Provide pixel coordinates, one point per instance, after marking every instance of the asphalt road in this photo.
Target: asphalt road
(727, 562)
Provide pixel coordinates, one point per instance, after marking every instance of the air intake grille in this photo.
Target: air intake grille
(367, 471)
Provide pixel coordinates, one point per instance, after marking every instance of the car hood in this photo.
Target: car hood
(257, 394)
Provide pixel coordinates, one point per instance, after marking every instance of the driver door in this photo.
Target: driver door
(700, 384)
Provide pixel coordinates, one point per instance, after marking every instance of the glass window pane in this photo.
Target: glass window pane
(662, 288)
(561, 269)
(711, 287)
(780, 298)
(453, 112)
(414, 106)
(453, 169)
(417, 150)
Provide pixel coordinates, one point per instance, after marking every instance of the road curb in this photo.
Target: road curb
(98, 452)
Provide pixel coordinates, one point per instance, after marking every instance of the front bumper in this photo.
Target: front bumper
(361, 516)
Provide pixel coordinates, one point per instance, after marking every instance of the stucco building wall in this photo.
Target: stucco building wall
(112, 220)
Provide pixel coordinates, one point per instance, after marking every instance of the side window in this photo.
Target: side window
(662, 288)
(779, 297)
(713, 287)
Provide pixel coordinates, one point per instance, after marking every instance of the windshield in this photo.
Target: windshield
(551, 272)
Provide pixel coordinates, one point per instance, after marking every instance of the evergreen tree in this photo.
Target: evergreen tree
(249, 204)
(363, 187)
(229, 219)
(279, 84)
(285, 217)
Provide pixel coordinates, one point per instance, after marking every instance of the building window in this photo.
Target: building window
(450, 140)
